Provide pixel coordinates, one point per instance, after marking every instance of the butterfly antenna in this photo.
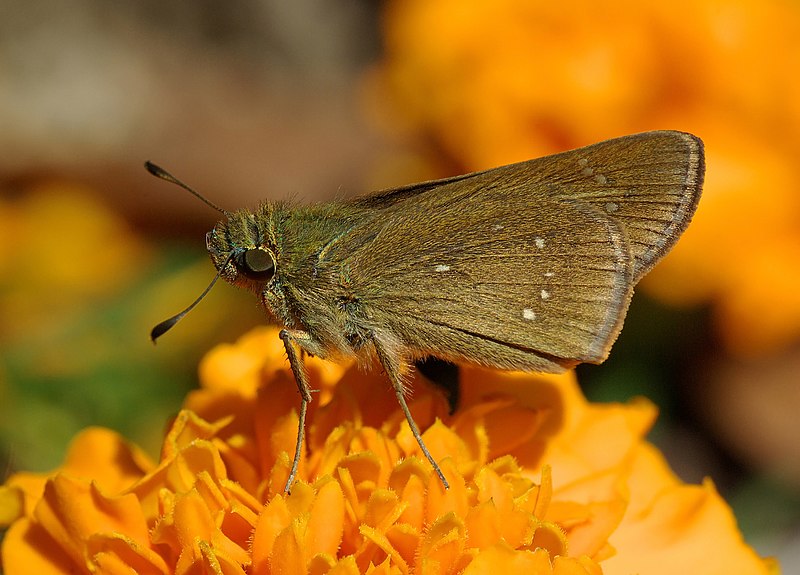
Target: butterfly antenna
(160, 172)
(168, 324)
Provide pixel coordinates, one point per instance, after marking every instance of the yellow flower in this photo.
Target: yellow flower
(541, 482)
(490, 83)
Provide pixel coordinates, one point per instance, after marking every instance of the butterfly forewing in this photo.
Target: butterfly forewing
(527, 266)
(535, 286)
(650, 182)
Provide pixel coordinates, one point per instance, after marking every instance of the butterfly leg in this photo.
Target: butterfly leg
(291, 341)
(392, 366)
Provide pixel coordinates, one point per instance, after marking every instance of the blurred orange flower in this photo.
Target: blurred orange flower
(541, 482)
(58, 235)
(490, 83)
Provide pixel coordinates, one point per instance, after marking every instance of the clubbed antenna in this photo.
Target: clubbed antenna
(168, 324)
(160, 172)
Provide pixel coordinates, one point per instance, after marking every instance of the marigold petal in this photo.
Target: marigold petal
(650, 475)
(492, 488)
(72, 510)
(353, 506)
(383, 509)
(195, 518)
(575, 566)
(12, 504)
(321, 564)
(619, 429)
(442, 442)
(326, 520)
(409, 479)
(241, 500)
(28, 548)
(557, 396)
(288, 556)
(364, 469)
(443, 544)
(513, 524)
(94, 453)
(673, 534)
(273, 520)
(275, 428)
(501, 558)
(375, 441)
(178, 474)
(278, 476)
(117, 553)
(182, 471)
(111, 564)
(591, 536)
(550, 536)
(237, 367)
(375, 548)
(405, 539)
(509, 424)
(345, 566)
(106, 458)
(237, 528)
(257, 355)
(334, 449)
(482, 523)
(301, 498)
(188, 427)
(28, 486)
(346, 404)
(203, 557)
(442, 501)
(537, 498)
(192, 518)
(385, 568)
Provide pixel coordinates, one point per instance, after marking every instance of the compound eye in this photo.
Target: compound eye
(256, 264)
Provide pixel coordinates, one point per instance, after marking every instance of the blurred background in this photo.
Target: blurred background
(314, 100)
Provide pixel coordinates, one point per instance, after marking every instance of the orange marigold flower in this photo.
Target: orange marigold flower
(541, 482)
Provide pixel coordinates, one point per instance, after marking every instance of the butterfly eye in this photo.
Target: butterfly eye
(256, 264)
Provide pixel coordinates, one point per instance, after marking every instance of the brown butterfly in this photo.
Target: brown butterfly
(529, 266)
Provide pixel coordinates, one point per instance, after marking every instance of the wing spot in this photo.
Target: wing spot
(549, 274)
(539, 242)
(612, 207)
(528, 314)
(442, 268)
(600, 179)
(497, 227)
(545, 294)
(583, 162)
(587, 171)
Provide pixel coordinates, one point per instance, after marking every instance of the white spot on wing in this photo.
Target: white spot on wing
(545, 294)
(611, 207)
(497, 227)
(528, 314)
(549, 274)
(442, 268)
(600, 179)
(539, 242)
